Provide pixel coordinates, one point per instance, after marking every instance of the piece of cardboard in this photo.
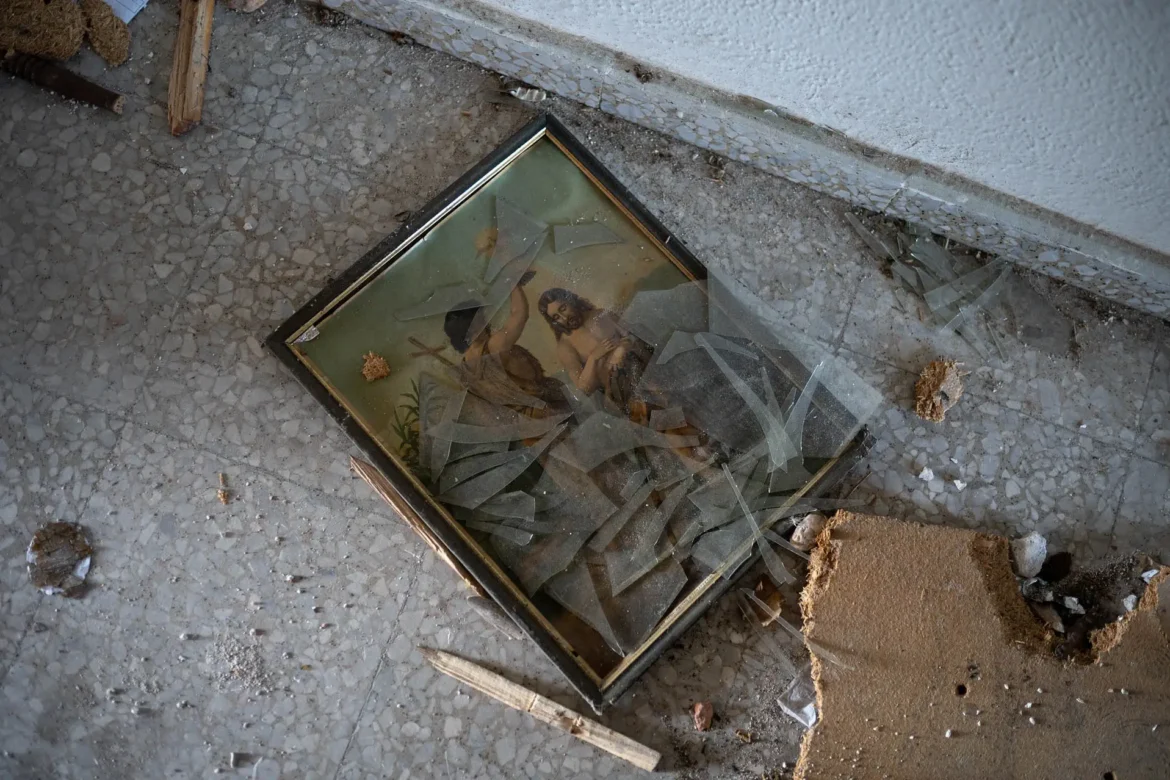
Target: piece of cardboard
(945, 658)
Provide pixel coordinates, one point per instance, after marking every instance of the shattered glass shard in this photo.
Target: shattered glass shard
(519, 428)
(780, 447)
(870, 238)
(476, 490)
(516, 233)
(775, 566)
(516, 505)
(569, 237)
(656, 314)
(618, 519)
(441, 447)
(574, 590)
(604, 435)
(516, 536)
(453, 297)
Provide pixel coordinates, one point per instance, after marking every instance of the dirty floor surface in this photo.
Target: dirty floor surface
(139, 274)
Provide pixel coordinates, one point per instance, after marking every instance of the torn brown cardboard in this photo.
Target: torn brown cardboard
(949, 673)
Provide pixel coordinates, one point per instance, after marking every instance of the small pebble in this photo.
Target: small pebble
(948, 734)
(1028, 706)
(182, 705)
(186, 636)
(1032, 721)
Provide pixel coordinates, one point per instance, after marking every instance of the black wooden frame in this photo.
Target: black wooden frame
(422, 506)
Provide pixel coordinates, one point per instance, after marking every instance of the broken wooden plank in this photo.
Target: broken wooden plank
(189, 68)
(542, 708)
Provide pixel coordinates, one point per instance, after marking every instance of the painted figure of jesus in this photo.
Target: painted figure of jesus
(594, 348)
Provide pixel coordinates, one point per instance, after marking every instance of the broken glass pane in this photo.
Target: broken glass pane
(604, 435)
(667, 419)
(574, 590)
(779, 573)
(569, 237)
(780, 447)
(518, 428)
(453, 297)
(715, 548)
(636, 612)
(871, 239)
(517, 232)
(634, 482)
(508, 533)
(656, 314)
(516, 505)
(634, 551)
(618, 519)
(799, 699)
(441, 447)
(475, 490)
(465, 469)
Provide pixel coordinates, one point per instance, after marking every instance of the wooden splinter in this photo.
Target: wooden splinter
(383, 488)
(542, 708)
(189, 68)
(64, 82)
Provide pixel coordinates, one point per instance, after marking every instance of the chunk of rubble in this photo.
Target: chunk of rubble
(807, 530)
(702, 712)
(939, 387)
(1028, 553)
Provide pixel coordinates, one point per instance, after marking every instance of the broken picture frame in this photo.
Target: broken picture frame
(601, 431)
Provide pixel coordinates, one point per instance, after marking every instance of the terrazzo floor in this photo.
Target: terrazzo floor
(139, 274)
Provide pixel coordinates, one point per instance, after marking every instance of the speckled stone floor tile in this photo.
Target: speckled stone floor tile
(991, 468)
(218, 628)
(1097, 385)
(1155, 430)
(1145, 505)
(139, 276)
(52, 452)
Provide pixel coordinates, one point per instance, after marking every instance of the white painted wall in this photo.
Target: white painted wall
(1064, 104)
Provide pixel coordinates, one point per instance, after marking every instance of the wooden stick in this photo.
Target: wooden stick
(189, 68)
(542, 708)
(64, 82)
(383, 488)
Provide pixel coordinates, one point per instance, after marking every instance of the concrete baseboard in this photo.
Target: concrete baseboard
(752, 132)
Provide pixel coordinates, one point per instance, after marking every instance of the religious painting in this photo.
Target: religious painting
(603, 433)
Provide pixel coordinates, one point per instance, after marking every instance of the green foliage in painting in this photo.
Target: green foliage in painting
(406, 426)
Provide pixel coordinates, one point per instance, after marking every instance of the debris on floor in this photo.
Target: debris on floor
(939, 387)
(542, 708)
(1029, 553)
(374, 367)
(222, 492)
(59, 557)
(949, 669)
(55, 29)
(65, 83)
(108, 35)
(767, 593)
(702, 713)
(979, 299)
(807, 530)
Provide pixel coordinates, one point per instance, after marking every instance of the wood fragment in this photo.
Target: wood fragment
(383, 488)
(57, 79)
(189, 68)
(542, 708)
